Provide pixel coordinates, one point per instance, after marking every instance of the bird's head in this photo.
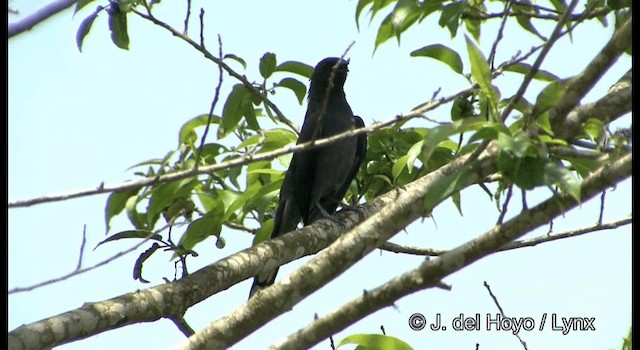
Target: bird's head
(323, 70)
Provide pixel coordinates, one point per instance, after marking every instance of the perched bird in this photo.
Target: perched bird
(318, 179)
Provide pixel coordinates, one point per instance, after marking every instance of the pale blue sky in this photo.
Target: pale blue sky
(77, 119)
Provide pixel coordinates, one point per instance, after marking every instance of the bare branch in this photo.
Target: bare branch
(79, 271)
(495, 300)
(216, 95)
(555, 35)
(582, 83)
(532, 242)
(39, 16)
(82, 245)
(224, 66)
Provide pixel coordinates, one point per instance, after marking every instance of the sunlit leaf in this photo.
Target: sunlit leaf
(375, 341)
(296, 67)
(267, 64)
(442, 54)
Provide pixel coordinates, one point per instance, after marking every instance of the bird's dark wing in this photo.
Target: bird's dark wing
(361, 151)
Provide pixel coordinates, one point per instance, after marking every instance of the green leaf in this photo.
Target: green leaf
(443, 132)
(524, 68)
(267, 64)
(413, 153)
(116, 204)
(446, 187)
(263, 233)
(295, 67)
(525, 7)
(375, 341)
(235, 58)
(137, 220)
(118, 26)
(450, 16)
(200, 229)
(462, 108)
(488, 132)
(165, 194)
(550, 96)
(241, 200)
(457, 201)
(85, 27)
(187, 134)
(473, 26)
(482, 75)
(296, 86)
(82, 3)
(385, 32)
(232, 111)
(398, 165)
(137, 267)
(403, 16)
(556, 173)
(140, 234)
(359, 7)
(594, 128)
(249, 113)
(442, 54)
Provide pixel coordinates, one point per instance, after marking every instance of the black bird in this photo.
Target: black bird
(318, 179)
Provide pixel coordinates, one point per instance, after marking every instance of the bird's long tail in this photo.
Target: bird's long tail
(286, 219)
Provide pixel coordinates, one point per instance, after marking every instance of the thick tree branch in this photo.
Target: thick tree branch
(579, 85)
(613, 105)
(431, 272)
(39, 16)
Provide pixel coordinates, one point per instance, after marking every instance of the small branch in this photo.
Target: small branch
(77, 271)
(495, 300)
(494, 47)
(183, 326)
(602, 197)
(224, 66)
(532, 242)
(215, 97)
(589, 14)
(555, 35)
(503, 212)
(186, 20)
(39, 16)
(400, 249)
(82, 245)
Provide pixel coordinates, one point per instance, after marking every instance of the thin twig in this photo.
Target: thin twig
(148, 16)
(82, 245)
(602, 197)
(494, 47)
(77, 272)
(186, 18)
(183, 326)
(532, 242)
(555, 35)
(503, 212)
(215, 99)
(495, 300)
